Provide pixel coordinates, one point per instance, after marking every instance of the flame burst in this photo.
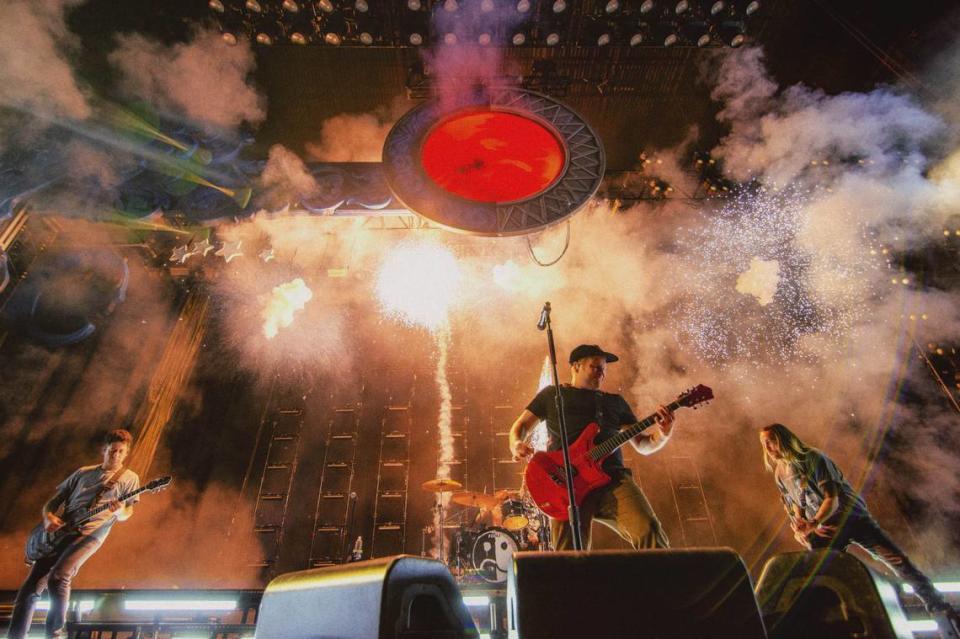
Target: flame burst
(418, 284)
(285, 300)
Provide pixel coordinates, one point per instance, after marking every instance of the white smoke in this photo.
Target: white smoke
(205, 80)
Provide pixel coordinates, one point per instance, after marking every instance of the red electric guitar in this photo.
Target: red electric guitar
(545, 476)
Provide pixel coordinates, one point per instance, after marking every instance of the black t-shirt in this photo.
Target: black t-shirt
(582, 406)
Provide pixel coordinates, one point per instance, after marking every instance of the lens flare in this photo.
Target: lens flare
(418, 284)
(285, 300)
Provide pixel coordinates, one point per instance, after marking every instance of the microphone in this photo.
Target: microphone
(544, 316)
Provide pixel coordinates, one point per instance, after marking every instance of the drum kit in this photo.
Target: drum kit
(488, 529)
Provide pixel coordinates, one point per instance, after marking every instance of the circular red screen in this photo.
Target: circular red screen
(492, 156)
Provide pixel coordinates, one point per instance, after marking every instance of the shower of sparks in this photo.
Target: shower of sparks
(539, 437)
(444, 423)
(756, 231)
(418, 284)
(285, 300)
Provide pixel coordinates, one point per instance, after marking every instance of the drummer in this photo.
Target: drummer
(493, 515)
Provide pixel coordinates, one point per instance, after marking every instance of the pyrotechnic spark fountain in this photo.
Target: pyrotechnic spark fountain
(285, 300)
(418, 284)
(752, 245)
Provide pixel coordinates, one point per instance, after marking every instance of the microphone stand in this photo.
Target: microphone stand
(573, 510)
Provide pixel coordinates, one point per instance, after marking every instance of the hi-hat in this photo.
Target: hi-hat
(441, 485)
(475, 500)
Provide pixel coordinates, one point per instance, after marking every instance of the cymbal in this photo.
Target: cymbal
(475, 500)
(441, 485)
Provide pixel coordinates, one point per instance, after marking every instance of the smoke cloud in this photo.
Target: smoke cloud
(35, 45)
(205, 80)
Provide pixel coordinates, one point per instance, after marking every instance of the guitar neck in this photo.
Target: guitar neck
(99, 509)
(608, 446)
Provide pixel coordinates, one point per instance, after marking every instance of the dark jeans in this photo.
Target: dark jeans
(622, 507)
(868, 534)
(55, 572)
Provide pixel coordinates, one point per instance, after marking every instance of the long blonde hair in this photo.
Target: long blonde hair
(792, 448)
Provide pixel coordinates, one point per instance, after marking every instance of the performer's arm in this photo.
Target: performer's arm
(51, 521)
(519, 448)
(827, 508)
(651, 441)
(121, 511)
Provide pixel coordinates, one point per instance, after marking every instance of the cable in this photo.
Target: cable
(566, 245)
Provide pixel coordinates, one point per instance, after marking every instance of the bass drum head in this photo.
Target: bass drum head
(492, 552)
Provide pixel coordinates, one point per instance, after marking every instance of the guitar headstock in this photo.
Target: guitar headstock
(158, 484)
(695, 396)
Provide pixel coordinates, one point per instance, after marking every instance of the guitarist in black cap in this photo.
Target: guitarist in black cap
(620, 505)
(84, 489)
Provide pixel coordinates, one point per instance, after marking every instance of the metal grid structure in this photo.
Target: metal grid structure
(336, 501)
(485, 23)
(280, 466)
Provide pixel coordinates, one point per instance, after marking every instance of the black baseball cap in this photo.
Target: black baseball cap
(591, 350)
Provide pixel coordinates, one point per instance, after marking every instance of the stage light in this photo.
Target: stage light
(559, 6)
(179, 604)
(484, 39)
(752, 8)
(476, 600)
(229, 38)
(943, 586)
(717, 7)
(291, 6)
(670, 40)
(254, 6)
(366, 38)
(486, 6)
(612, 6)
(450, 5)
(682, 6)
(450, 38)
(216, 5)
(263, 38)
(731, 32)
(361, 5)
(414, 5)
(523, 6)
(416, 39)
(703, 40)
(518, 38)
(298, 38)
(326, 6)
(647, 6)
(553, 39)
(636, 39)
(332, 38)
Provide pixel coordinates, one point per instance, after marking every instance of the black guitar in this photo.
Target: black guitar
(42, 544)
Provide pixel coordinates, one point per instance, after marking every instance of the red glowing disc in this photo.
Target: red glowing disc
(492, 156)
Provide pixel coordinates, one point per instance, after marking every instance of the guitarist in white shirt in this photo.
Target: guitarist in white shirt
(85, 488)
(621, 504)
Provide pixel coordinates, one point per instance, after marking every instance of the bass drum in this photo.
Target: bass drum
(492, 552)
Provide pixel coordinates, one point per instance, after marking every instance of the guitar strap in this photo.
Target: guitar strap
(107, 485)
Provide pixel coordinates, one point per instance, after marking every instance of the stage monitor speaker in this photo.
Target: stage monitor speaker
(828, 594)
(662, 594)
(401, 597)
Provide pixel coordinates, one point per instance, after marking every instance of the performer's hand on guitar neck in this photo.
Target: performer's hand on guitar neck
(666, 419)
(52, 523)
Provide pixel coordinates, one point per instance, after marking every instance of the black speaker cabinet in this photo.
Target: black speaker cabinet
(401, 597)
(655, 594)
(828, 594)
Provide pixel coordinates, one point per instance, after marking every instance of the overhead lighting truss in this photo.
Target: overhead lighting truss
(503, 23)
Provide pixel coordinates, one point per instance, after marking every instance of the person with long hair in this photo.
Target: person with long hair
(826, 512)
